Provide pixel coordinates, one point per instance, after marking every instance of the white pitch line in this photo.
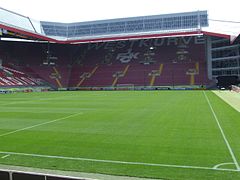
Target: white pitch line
(218, 165)
(5, 156)
(36, 125)
(118, 162)
(223, 134)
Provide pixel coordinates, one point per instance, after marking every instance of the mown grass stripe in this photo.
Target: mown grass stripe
(41, 124)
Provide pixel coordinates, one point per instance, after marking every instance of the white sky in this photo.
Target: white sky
(86, 10)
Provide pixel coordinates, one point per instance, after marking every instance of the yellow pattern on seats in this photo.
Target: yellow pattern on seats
(57, 79)
(91, 73)
(159, 72)
(123, 74)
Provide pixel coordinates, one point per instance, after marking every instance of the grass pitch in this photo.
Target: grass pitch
(155, 134)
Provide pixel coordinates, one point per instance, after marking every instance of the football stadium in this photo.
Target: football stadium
(128, 98)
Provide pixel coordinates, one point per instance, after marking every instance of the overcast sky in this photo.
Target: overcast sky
(87, 10)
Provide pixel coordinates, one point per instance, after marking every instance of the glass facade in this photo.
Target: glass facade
(144, 24)
(158, 23)
(225, 58)
(13, 19)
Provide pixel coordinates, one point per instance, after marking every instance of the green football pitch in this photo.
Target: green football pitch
(156, 134)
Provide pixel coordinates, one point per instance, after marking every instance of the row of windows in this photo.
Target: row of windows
(226, 63)
(220, 43)
(167, 23)
(55, 32)
(229, 72)
(225, 53)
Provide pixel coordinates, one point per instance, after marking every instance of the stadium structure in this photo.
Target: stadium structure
(159, 52)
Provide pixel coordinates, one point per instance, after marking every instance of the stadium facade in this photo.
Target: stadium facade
(171, 50)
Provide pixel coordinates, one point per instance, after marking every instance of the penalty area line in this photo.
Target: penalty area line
(5, 156)
(40, 124)
(117, 162)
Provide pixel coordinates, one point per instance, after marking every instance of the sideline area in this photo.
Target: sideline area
(70, 174)
(230, 97)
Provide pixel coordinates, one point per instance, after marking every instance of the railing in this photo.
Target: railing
(21, 175)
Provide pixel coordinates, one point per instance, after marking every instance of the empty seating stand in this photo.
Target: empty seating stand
(168, 64)
(11, 78)
(152, 62)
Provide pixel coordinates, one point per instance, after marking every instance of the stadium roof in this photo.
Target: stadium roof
(14, 25)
